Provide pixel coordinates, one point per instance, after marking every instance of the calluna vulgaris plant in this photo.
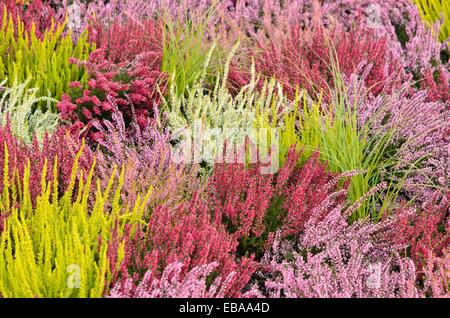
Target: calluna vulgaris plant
(16, 108)
(203, 148)
(40, 245)
(124, 75)
(44, 60)
(15, 154)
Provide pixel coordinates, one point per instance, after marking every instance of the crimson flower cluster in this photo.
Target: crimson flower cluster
(125, 76)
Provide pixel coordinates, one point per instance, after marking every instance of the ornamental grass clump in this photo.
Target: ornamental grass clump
(148, 160)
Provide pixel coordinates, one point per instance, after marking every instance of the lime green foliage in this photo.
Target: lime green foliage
(16, 106)
(346, 146)
(436, 10)
(59, 247)
(45, 62)
(186, 51)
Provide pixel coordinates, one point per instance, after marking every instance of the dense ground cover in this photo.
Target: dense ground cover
(201, 148)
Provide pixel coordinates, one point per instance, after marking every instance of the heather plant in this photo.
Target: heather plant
(266, 148)
(391, 38)
(123, 42)
(186, 234)
(437, 276)
(16, 108)
(334, 259)
(45, 61)
(337, 272)
(147, 158)
(61, 146)
(59, 247)
(424, 230)
(420, 136)
(253, 206)
(124, 75)
(208, 127)
(301, 57)
(172, 285)
(186, 52)
(347, 145)
(434, 11)
(34, 12)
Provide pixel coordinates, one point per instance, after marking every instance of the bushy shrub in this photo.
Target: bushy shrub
(172, 285)
(58, 248)
(147, 158)
(124, 75)
(16, 108)
(15, 154)
(44, 61)
(35, 12)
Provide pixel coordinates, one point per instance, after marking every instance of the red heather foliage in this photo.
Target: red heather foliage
(425, 232)
(60, 145)
(124, 42)
(306, 189)
(125, 74)
(304, 58)
(438, 85)
(183, 234)
(34, 12)
(229, 223)
(242, 198)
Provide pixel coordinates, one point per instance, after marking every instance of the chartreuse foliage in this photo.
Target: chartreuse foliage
(334, 130)
(436, 10)
(58, 248)
(45, 62)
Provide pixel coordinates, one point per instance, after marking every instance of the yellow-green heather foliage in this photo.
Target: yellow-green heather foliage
(433, 11)
(46, 62)
(59, 247)
(16, 107)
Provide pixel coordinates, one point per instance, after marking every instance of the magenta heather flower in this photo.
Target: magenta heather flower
(124, 75)
(184, 234)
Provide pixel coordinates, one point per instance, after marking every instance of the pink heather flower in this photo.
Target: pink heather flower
(437, 275)
(172, 284)
(335, 259)
(87, 113)
(75, 85)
